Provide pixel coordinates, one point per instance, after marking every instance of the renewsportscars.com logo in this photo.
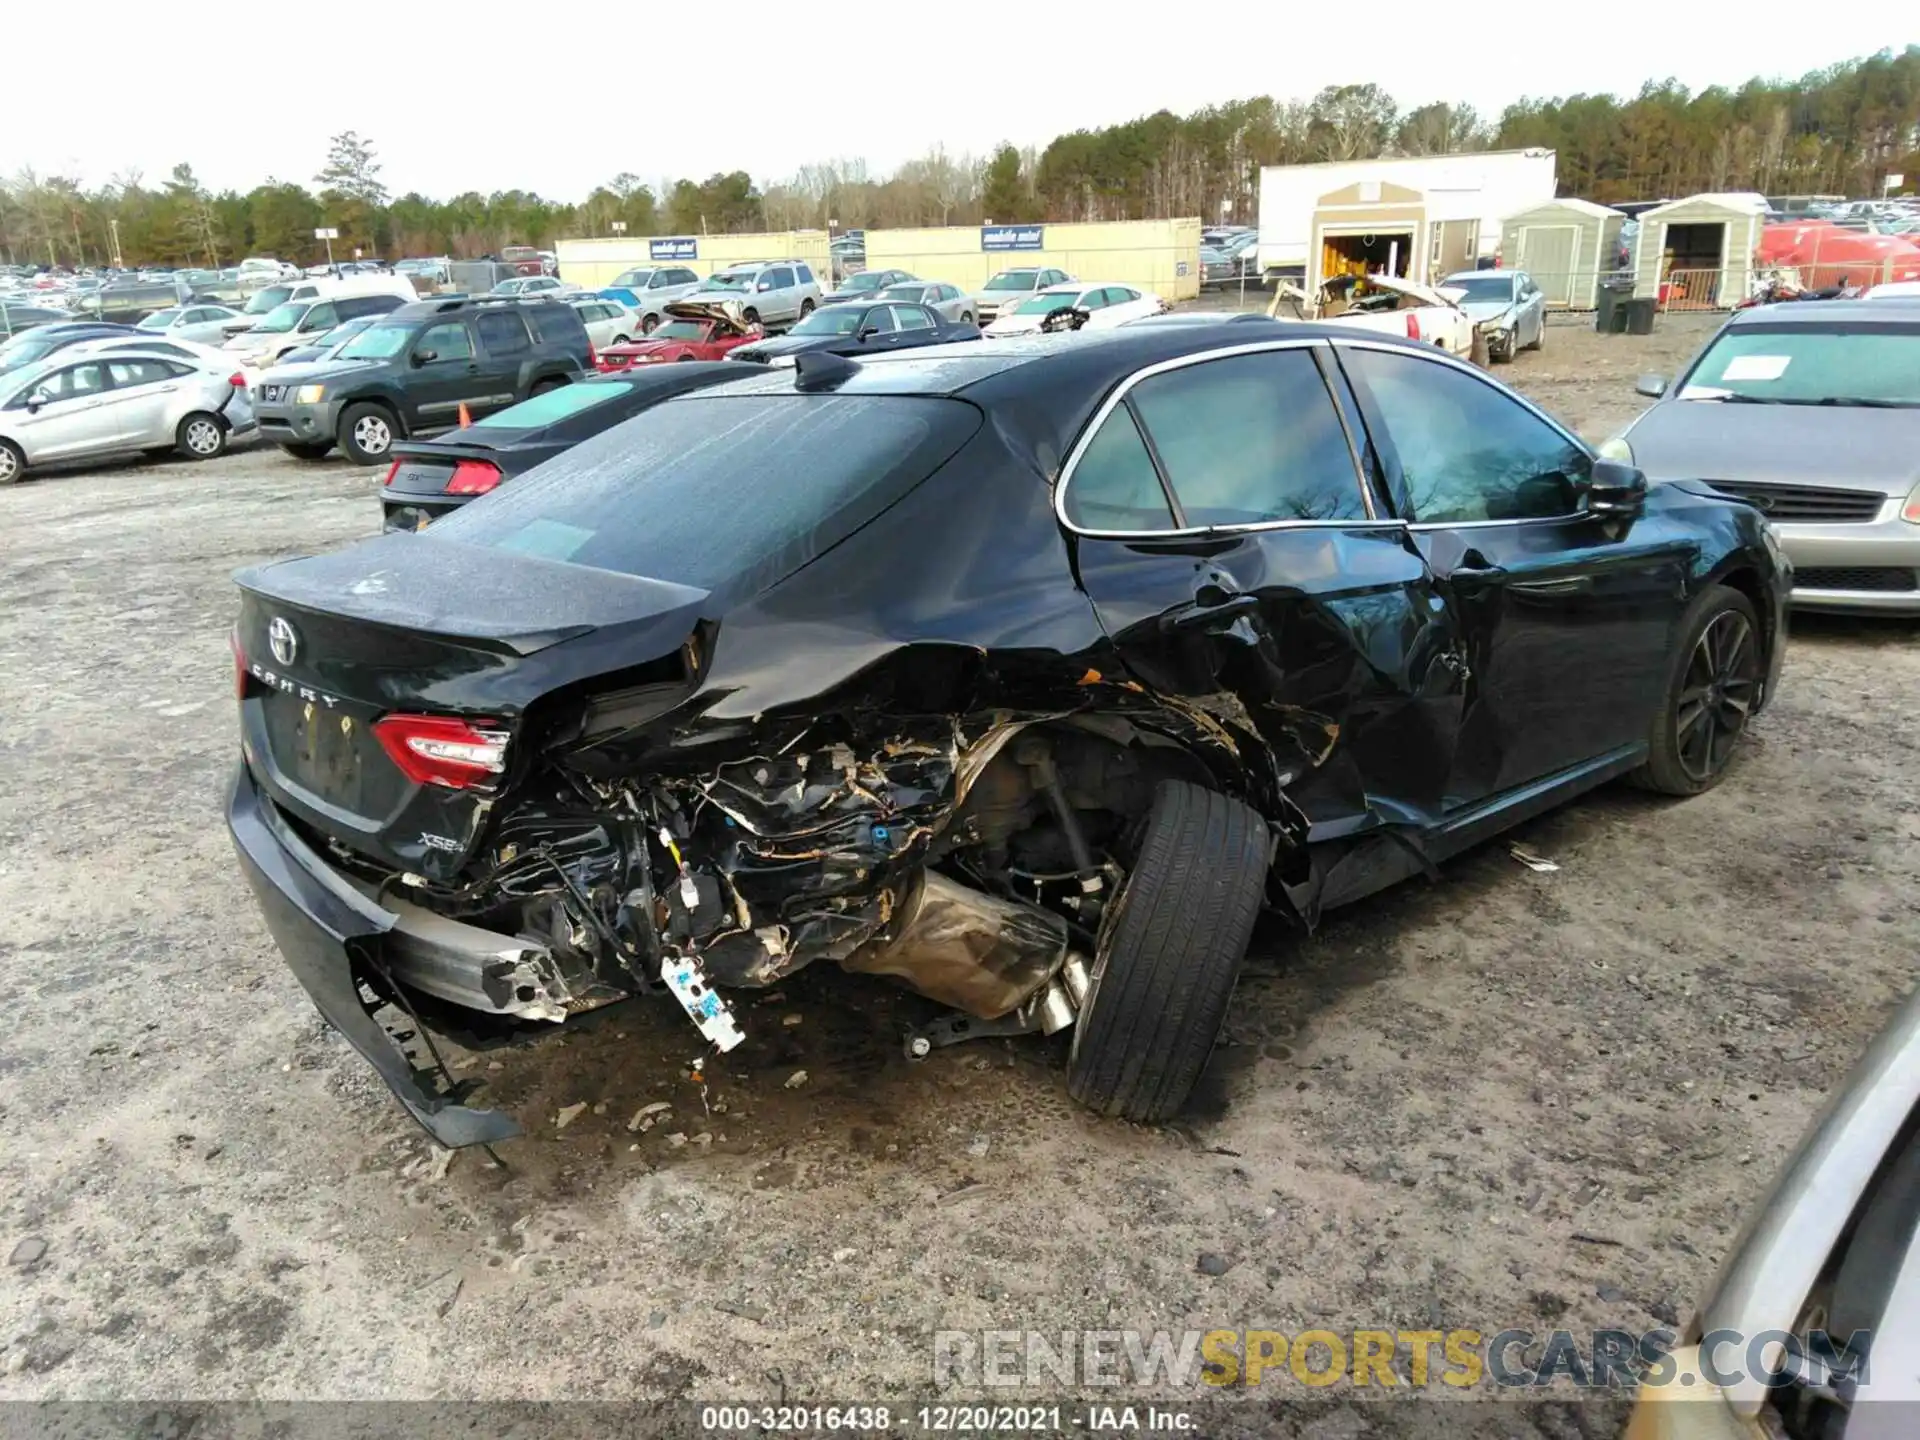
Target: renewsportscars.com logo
(1458, 1359)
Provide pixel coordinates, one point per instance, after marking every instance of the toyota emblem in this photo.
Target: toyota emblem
(284, 640)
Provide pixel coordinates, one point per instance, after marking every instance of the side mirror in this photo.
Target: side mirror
(764, 285)
(36, 400)
(424, 357)
(1616, 489)
(867, 332)
(1652, 386)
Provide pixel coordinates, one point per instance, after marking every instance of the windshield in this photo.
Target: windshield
(834, 320)
(863, 282)
(724, 281)
(901, 292)
(733, 491)
(631, 280)
(1481, 287)
(1045, 304)
(1014, 280)
(28, 351)
(680, 330)
(1838, 364)
(264, 300)
(554, 405)
(282, 318)
(379, 342)
(509, 287)
(158, 320)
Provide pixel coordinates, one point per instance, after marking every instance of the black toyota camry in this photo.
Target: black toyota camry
(1024, 673)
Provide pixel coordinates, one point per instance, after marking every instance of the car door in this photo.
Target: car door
(774, 295)
(1226, 523)
(142, 397)
(913, 325)
(66, 413)
(1567, 615)
(444, 375)
(505, 348)
(876, 331)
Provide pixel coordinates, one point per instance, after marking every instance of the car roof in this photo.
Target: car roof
(1816, 312)
(1074, 287)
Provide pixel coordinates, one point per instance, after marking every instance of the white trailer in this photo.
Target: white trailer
(1466, 197)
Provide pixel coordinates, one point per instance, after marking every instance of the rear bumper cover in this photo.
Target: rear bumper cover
(325, 928)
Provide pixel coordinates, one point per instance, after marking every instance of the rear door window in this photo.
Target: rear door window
(503, 333)
(1114, 486)
(733, 491)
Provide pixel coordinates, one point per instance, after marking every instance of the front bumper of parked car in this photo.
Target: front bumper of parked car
(1873, 566)
(287, 422)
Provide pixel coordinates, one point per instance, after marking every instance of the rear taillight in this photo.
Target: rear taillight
(237, 380)
(593, 357)
(442, 749)
(473, 477)
(392, 470)
(239, 667)
(1413, 326)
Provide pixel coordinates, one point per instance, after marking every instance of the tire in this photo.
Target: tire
(649, 324)
(200, 436)
(318, 451)
(966, 317)
(806, 308)
(541, 387)
(684, 360)
(367, 433)
(1712, 683)
(1540, 340)
(1168, 954)
(750, 315)
(13, 463)
(623, 340)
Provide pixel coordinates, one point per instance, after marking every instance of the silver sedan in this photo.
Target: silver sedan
(952, 303)
(75, 407)
(196, 324)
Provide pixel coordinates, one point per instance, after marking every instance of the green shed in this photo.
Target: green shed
(1566, 246)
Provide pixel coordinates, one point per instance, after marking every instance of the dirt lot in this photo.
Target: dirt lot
(1419, 1112)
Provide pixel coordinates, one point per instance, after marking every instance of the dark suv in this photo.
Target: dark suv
(414, 372)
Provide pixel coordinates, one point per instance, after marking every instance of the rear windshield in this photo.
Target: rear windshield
(736, 490)
(554, 405)
(1013, 280)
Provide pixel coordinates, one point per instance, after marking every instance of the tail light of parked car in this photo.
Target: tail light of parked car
(593, 357)
(1413, 326)
(239, 667)
(237, 380)
(442, 749)
(473, 477)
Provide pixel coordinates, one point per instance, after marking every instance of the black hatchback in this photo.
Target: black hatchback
(432, 478)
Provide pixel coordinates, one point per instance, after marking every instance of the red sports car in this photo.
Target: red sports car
(696, 330)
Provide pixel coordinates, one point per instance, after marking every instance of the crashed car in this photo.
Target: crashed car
(1386, 305)
(1022, 674)
(693, 330)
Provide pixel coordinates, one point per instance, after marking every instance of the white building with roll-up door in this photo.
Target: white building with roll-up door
(1566, 246)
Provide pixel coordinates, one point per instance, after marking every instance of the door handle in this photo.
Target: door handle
(1201, 616)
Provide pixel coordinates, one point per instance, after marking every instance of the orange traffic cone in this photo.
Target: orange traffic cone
(465, 419)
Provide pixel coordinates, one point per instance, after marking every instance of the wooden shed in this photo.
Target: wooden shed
(1697, 253)
(1372, 227)
(1566, 246)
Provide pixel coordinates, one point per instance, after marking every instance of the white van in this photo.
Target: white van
(294, 323)
(322, 287)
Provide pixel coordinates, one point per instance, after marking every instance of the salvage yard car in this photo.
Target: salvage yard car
(1011, 287)
(859, 328)
(1385, 305)
(72, 408)
(1509, 308)
(1040, 672)
(693, 330)
(416, 371)
(1810, 412)
(1078, 304)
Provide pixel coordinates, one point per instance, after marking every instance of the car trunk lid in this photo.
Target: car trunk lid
(383, 690)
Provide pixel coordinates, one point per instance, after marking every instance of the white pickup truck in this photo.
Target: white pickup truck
(1388, 305)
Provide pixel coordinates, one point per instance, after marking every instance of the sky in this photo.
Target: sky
(558, 101)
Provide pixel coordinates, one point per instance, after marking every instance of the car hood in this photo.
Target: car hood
(1848, 449)
(800, 344)
(1481, 311)
(315, 371)
(728, 315)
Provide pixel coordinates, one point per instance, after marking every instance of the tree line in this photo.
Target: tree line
(1842, 130)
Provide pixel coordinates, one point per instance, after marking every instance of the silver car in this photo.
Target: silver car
(196, 324)
(1505, 306)
(1010, 288)
(773, 293)
(1810, 412)
(647, 290)
(608, 322)
(950, 302)
(74, 407)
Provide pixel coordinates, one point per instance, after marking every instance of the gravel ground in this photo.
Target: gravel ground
(1420, 1111)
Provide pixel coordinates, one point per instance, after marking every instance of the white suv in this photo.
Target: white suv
(772, 293)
